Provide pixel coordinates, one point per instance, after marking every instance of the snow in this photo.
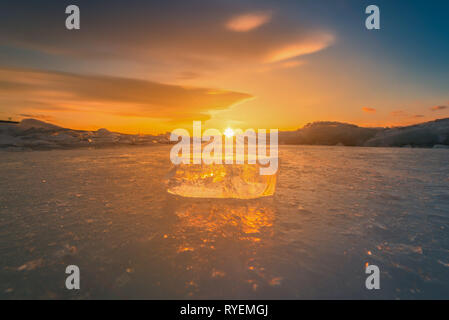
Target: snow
(26, 124)
(32, 134)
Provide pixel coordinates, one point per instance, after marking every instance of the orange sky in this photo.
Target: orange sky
(243, 66)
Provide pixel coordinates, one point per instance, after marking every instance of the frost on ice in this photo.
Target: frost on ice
(241, 181)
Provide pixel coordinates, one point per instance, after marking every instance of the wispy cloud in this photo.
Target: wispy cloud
(156, 35)
(310, 45)
(438, 108)
(368, 110)
(34, 92)
(248, 22)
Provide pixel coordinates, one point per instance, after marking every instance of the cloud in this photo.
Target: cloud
(178, 35)
(438, 108)
(368, 110)
(302, 47)
(34, 92)
(289, 64)
(248, 22)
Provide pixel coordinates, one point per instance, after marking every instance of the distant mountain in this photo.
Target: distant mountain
(26, 124)
(428, 134)
(38, 135)
(34, 134)
(329, 133)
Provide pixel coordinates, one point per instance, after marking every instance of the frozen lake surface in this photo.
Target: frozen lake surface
(335, 209)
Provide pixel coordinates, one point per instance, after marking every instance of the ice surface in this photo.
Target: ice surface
(334, 210)
(241, 181)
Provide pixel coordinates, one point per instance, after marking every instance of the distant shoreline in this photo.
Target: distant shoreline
(38, 135)
(9, 121)
(120, 146)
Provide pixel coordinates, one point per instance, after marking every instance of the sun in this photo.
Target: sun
(229, 132)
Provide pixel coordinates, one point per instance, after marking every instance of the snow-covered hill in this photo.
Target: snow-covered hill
(37, 135)
(428, 134)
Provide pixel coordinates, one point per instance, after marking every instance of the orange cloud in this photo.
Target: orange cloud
(53, 93)
(313, 44)
(248, 22)
(438, 108)
(369, 110)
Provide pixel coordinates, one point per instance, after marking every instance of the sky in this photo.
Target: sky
(153, 66)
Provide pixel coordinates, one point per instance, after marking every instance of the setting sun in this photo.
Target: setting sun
(229, 132)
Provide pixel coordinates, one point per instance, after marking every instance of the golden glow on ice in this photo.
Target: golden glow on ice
(220, 181)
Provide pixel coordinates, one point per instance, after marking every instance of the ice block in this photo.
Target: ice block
(241, 181)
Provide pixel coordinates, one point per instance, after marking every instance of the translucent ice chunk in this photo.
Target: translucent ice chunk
(242, 181)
